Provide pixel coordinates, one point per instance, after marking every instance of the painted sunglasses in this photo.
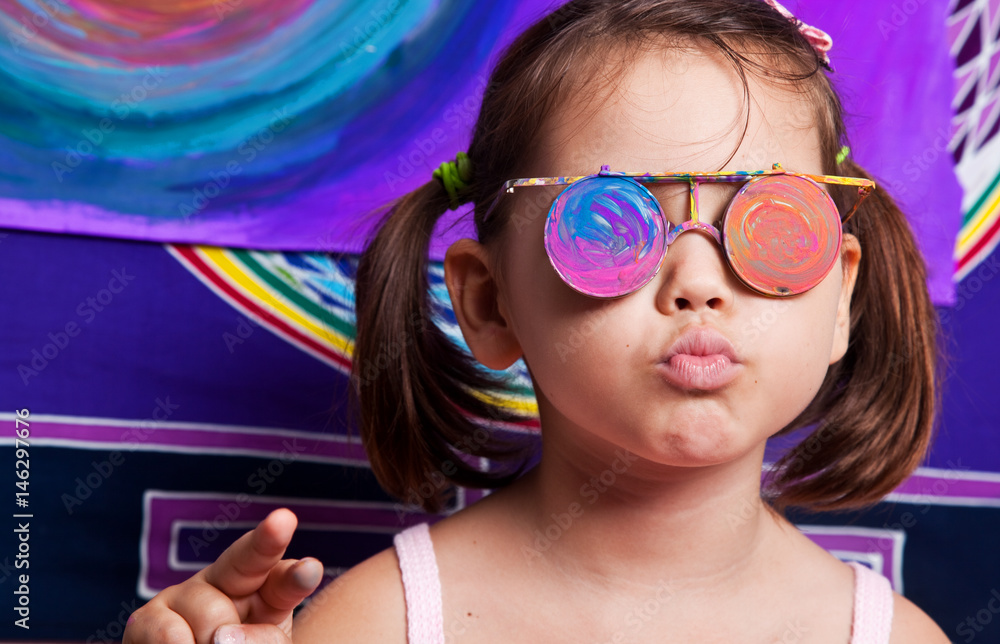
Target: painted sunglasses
(606, 235)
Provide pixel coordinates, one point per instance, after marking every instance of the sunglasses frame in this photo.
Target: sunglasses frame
(865, 186)
(694, 179)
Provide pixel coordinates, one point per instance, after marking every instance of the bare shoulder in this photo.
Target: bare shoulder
(365, 604)
(910, 625)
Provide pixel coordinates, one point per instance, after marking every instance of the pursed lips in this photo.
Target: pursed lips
(700, 359)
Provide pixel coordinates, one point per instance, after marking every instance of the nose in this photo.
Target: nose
(694, 275)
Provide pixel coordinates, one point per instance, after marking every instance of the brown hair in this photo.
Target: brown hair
(876, 406)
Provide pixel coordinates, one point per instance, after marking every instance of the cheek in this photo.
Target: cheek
(563, 333)
(549, 319)
(567, 337)
(795, 344)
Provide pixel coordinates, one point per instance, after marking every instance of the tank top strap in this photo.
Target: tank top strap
(873, 601)
(421, 585)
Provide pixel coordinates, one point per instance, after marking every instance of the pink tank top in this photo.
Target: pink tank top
(425, 621)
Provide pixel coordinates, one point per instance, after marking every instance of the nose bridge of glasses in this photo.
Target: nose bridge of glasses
(695, 219)
(693, 224)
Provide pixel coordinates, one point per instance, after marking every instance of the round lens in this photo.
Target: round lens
(782, 234)
(604, 236)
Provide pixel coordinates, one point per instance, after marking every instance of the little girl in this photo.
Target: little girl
(627, 193)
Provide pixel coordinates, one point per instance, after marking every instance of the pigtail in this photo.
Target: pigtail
(874, 414)
(415, 388)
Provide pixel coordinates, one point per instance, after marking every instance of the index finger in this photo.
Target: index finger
(243, 568)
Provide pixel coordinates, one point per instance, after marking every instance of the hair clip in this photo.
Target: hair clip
(819, 39)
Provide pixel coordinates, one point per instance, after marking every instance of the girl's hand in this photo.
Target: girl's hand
(249, 584)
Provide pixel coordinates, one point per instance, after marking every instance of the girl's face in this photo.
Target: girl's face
(602, 369)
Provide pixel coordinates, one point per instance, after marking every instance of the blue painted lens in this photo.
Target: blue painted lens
(604, 236)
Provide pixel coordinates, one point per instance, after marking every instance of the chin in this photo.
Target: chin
(703, 447)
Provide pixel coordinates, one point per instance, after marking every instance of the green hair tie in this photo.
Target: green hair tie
(455, 176)
(844, 151)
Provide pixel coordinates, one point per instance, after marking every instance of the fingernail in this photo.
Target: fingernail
(229, 635)
(307, 572)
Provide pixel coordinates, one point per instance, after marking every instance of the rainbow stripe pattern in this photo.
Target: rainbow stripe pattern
(307, 299)
(973, 32)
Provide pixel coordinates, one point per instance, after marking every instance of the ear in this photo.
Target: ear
(479, 310)
(850, 258)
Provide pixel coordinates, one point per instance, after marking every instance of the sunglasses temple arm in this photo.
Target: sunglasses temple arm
(863, 192)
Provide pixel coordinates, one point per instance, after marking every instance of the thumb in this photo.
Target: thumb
(287, 585)
(250, 634)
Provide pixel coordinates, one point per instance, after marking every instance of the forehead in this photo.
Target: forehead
(678, 110)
